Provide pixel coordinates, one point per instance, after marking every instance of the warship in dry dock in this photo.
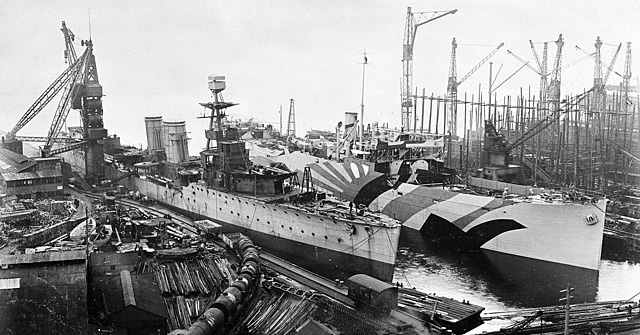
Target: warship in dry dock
(269, 205)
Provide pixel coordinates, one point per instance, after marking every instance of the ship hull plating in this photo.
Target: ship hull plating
(315, 241)
(556, 232)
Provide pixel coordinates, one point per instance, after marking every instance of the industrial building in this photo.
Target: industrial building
(25, 177)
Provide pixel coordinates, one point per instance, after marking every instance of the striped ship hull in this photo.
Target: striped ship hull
(557, 232)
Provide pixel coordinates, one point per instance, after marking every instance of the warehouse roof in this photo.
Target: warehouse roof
(133, 291)
(14, 162)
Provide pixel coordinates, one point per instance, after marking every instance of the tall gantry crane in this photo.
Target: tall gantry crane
(414, 20)
(453, 83)
(600, 80)
(553, 90)
(626, 77)
(542, 71)
(82, 91)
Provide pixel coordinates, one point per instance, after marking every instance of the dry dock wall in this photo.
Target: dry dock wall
(43, 293)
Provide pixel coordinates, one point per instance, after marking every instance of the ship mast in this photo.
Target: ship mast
(217, 84)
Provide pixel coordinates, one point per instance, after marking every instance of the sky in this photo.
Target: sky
(153, 57)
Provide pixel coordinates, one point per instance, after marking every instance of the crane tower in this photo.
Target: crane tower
(453, 83)
(414, 20)
(291, 124)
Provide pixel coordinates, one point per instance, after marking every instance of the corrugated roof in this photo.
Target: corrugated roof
(370, 282)
(14, 162)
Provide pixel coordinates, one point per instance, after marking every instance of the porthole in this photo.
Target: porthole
(231, 212)
(257, 219)
(297, 214)
(334, 221)
(302, 231)
(290, 228)
(325, 237)
(282, 226)
(232, 198)
(308, 217)
(313, 234)
(268, 222)
(220, 208)
(247, 216)
(285, 212)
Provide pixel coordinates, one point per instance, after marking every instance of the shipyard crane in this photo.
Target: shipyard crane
(414, 20)
(70, 51)
(598, 59)
(626, 78)
(553, 90)
(599, 81)
(453, 83)
(291, 124)
(542, 71)
(543, 76)
(81, 90)
(501, 148)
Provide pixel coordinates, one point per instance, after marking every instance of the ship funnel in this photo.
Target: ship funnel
(216, 83)
(153, 125)
(176, 142)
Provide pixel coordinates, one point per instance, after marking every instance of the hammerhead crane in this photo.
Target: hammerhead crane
(81, 90)
(453, 83)
(411, 28)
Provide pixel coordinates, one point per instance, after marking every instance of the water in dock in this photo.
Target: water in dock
(507, 284)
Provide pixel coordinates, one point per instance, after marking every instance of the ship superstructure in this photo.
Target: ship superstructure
(269, 205)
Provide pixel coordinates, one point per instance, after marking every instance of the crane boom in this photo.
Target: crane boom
(535, 56)
(64, 106)
(484, 60)
(46, 97)
(609, 67)
(411, 28)
(524, 62)
(70, 52)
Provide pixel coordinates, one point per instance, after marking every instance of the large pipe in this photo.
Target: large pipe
(226, 304)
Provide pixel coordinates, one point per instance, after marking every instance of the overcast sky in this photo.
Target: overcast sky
(154, 57)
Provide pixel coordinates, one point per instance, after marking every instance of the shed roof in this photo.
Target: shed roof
(14, 162)
(138, 291)
(7, 176)
(370, 282)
